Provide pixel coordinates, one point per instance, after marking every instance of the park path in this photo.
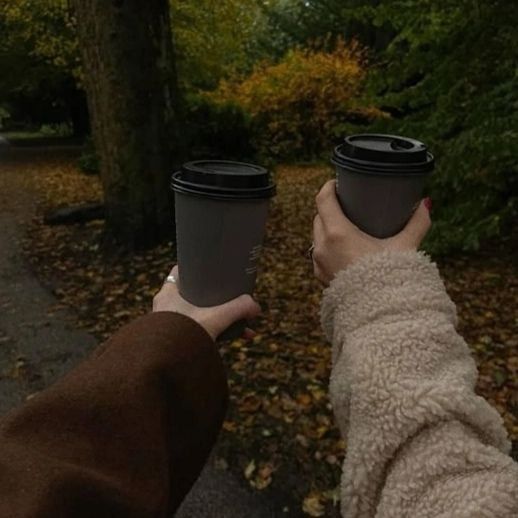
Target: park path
(38, 343)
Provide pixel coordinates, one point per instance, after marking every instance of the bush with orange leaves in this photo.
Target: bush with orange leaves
(300, 105)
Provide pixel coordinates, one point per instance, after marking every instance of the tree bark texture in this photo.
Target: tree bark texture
(130, 78)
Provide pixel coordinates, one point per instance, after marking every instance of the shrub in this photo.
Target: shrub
(218, 130)
(56, 130)
(301, 104)
(88, 162)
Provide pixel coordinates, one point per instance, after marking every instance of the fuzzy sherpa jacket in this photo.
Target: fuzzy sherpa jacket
(420, 442)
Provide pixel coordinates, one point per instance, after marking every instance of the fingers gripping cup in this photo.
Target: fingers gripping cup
(380, 180)
(221, 214)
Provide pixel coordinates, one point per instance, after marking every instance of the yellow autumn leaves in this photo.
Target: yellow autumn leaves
(301, 102)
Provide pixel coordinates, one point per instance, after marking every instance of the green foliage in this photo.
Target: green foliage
(38, 48)
(450, 76)
(44, 29)
(215, 40)
(295, 22)
(446, 70)
(38, 45)
(88, 162)
(55, 130)
(299, 105)
(218, 130)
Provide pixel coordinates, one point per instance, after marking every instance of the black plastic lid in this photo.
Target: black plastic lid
(223, 179)
(386, 154)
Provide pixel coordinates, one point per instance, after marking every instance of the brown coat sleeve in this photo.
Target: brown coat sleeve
(123, 435)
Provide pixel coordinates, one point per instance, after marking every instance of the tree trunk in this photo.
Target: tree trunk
(130, 79)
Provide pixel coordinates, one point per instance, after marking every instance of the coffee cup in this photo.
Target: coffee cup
(380, 180)
(221, 212)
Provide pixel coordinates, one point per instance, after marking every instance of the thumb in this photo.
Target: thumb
(241, 308)
(417, 227)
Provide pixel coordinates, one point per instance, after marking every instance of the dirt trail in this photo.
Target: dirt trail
(37, 343)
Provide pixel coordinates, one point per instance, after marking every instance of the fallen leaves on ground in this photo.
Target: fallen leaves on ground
(313, 506)
(279, 432)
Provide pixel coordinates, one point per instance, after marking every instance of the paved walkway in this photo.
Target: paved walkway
(38, 345)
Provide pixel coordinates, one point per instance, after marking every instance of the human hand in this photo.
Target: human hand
(338, 243)
(215, 319)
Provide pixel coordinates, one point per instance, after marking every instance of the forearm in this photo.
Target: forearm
(126, 433)
(399, 370)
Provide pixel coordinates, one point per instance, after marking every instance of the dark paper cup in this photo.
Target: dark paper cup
(221, 214)
(380, 180)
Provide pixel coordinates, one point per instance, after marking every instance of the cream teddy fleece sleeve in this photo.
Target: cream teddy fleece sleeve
(420, 442)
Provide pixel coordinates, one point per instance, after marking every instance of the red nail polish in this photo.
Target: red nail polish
(428, 203)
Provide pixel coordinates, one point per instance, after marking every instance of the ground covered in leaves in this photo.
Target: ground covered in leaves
(279, 433)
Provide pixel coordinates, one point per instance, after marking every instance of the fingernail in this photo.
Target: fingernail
(428, 204)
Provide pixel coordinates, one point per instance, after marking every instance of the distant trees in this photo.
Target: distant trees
(39, 48)
(444, 70)
(40, 63)
(217, 39)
